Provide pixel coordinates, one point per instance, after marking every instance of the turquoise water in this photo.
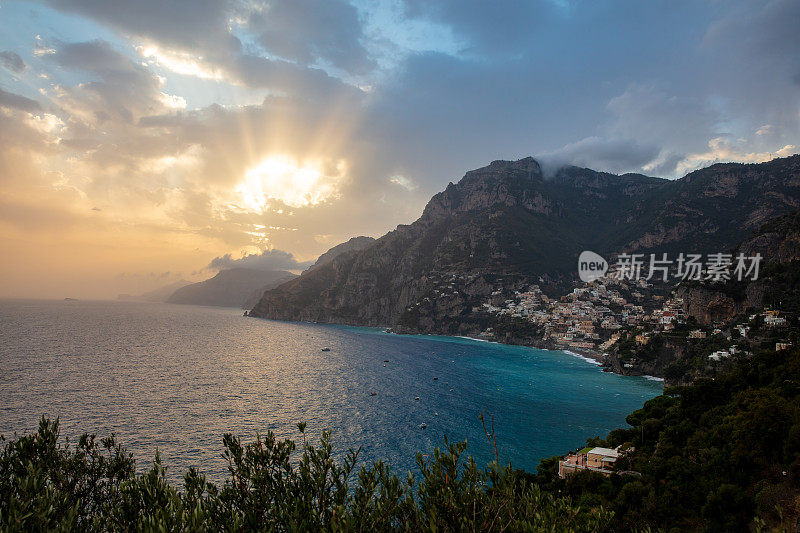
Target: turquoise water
(178, 377)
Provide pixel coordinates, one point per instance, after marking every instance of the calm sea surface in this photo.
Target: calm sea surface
(177, 377)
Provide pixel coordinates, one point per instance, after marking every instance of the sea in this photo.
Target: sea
(176, 378)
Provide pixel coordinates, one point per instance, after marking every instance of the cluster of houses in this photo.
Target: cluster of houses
(595, 315)
(590, 315)
(771, 319)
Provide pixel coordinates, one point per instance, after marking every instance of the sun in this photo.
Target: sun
(283, 179)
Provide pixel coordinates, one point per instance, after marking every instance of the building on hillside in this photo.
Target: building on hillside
(719, 355)
(601, 460)
(773, 320)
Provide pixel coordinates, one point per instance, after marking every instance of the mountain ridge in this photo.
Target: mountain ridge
(509, 220)
(234, 287)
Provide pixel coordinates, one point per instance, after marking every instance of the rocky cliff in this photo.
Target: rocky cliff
(509, 220)
(778, 243)
(353, 245)
(709, 306)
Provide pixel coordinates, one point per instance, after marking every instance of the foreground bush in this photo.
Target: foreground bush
(93, 485)
(721, 455)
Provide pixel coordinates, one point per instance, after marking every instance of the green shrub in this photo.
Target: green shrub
(46, 485)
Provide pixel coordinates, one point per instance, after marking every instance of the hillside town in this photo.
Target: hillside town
(590, 317)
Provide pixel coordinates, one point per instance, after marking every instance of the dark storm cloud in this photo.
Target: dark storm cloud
(12, 61)
(266, 260)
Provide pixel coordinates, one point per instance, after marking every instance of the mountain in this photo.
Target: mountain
(354, 244)
(230, 288)
(509, 225)
(157, 295)
(723, 312)
(778, 286)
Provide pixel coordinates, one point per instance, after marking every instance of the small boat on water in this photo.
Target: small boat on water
(423, 425)
(416, 399)
(435, 379)
(373, 393)
(326, 349)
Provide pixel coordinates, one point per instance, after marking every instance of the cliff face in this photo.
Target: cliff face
(778, 242)
(353, 245)
(709, 306)
(680, 360)
(666, 353)
(507, 219)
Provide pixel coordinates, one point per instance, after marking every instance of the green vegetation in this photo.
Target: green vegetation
(92, 486)
(722, 454)
(694, 362)
(509, 328)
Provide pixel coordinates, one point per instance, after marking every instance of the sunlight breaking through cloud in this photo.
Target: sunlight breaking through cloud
(291, 183)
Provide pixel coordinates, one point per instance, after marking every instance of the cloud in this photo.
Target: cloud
(118, 91)
(489, 28)
(308, 31)
(266, 260)
(295, 35)
(403, 182)
(16, 101)
(611, 155)
(12, 61)
(182, 24)
(721, 150)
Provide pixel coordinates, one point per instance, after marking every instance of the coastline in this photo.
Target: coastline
(590, 356)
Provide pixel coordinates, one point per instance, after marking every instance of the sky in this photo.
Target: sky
(151, 141)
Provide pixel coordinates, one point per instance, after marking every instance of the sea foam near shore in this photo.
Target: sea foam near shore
(579, 356)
